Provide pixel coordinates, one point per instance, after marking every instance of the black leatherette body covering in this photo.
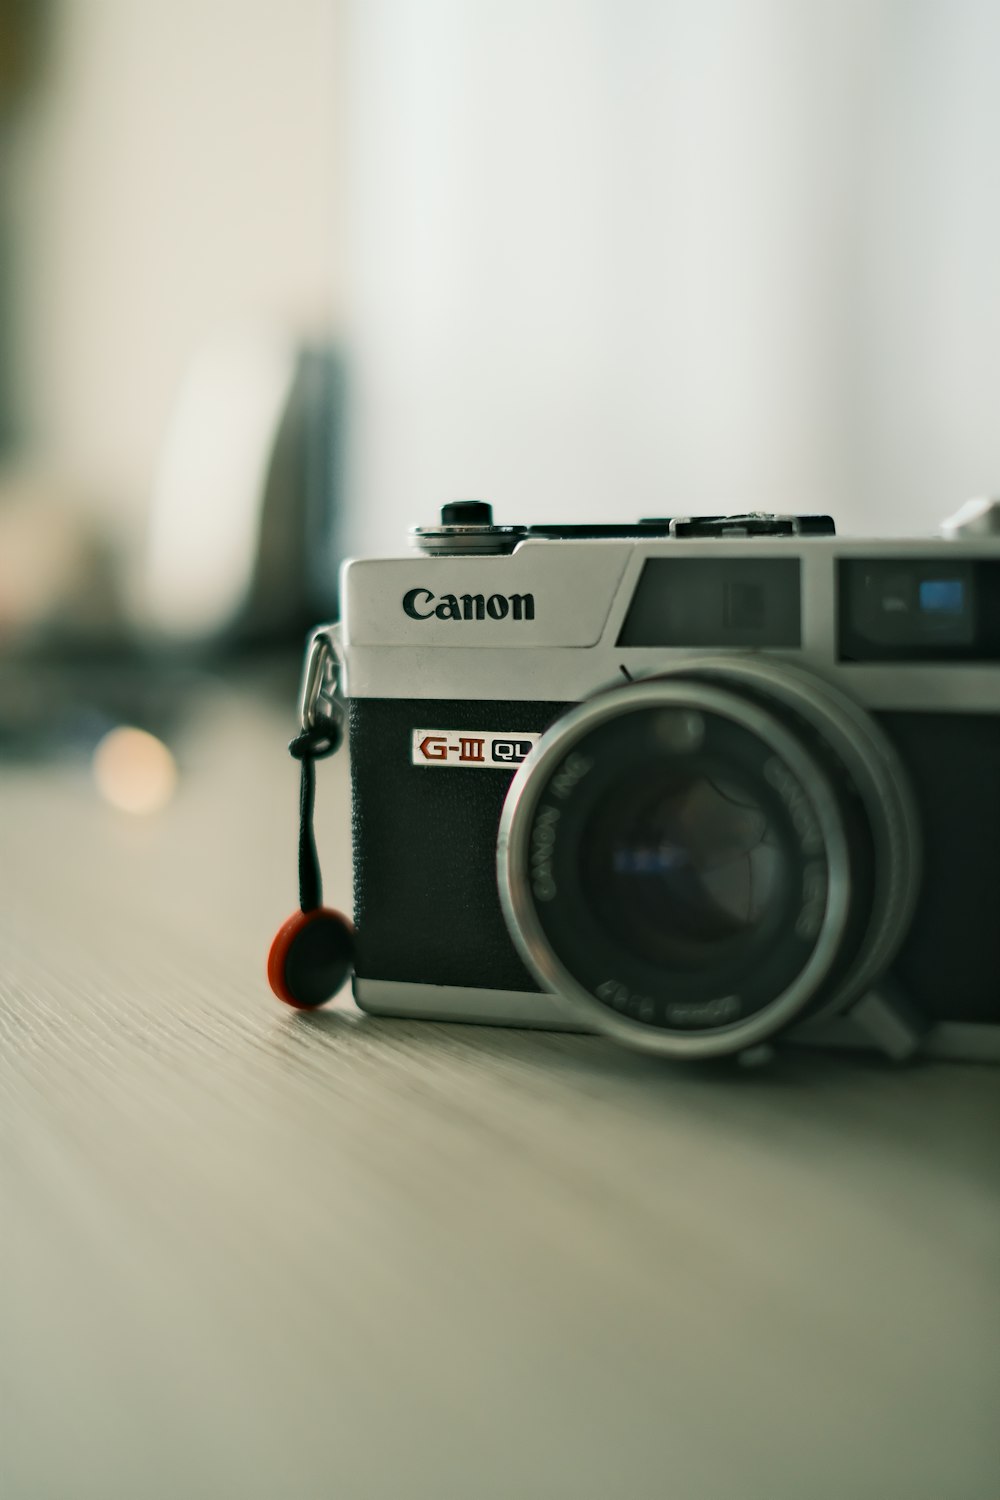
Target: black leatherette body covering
(426, 904)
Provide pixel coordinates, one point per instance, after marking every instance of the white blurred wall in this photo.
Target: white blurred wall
(634, 257)
(175, 177)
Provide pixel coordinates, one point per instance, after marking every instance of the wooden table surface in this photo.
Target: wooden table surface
(249, 1253)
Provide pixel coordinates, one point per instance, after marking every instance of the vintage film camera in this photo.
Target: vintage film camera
(696, 784)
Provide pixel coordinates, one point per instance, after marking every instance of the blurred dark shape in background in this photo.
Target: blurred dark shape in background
(244, 533)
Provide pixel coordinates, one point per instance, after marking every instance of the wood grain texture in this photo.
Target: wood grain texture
(251, 1253)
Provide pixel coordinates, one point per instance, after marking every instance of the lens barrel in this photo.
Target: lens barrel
(697, 861)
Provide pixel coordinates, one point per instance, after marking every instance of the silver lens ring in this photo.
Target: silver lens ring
(882, 783)
(514, 847)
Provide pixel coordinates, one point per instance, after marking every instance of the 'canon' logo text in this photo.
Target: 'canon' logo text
(421, 604)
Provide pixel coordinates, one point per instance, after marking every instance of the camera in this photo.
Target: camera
(695, 783)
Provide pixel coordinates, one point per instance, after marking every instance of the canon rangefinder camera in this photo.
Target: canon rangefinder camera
(696, 784)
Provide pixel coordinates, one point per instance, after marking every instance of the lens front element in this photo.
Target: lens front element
(682, 865)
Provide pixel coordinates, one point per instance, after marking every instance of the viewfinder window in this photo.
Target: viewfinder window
(716, 601)
(919, 609)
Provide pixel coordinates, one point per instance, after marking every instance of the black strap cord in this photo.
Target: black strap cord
(312, 745)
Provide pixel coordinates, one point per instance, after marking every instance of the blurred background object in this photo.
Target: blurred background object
(243, 527)
(170, 379)
(170, 181)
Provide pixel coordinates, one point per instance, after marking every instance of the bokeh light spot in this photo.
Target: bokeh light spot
(134, 771)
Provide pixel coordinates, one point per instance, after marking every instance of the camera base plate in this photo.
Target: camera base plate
(882, 1021)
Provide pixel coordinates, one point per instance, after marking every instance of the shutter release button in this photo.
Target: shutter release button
(466, 528)
(467, 513)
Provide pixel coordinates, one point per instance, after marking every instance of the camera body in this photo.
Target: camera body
(697, 784)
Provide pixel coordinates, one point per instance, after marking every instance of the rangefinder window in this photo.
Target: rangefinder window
(918, 609)
(715, 601)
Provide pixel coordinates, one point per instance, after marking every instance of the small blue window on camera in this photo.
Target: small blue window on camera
(942, 596)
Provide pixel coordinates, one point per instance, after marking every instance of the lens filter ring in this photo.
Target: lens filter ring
(675, 864)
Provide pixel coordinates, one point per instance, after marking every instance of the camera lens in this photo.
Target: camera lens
(698, 861)
(683, 865)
